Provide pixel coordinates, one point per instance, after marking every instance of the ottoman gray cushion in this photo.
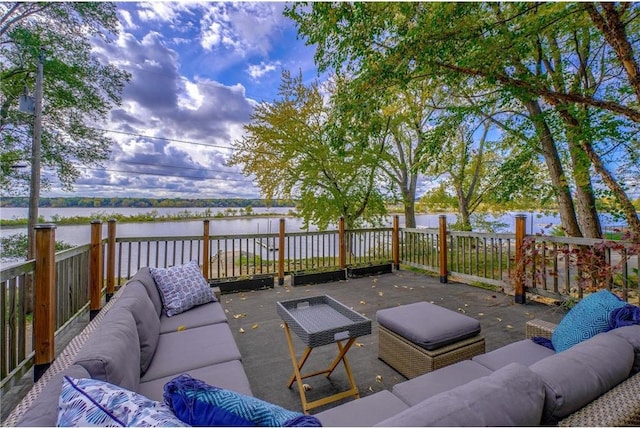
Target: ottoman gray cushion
(426, 386)
(525, 352)
(427, 325)
(364, 412)
(631, 334)
(511, 396)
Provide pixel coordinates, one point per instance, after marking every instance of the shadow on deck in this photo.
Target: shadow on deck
(258, 331)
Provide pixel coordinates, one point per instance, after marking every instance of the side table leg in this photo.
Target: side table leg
(301, 362)
(296, 368)
(341, 355)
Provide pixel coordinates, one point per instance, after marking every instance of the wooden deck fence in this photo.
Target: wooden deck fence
(84, 278)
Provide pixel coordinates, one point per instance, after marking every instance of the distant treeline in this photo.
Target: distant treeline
(23, 202)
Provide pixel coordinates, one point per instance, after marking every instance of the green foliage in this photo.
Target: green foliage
(299, 148)
(15, 246)
(78, 89)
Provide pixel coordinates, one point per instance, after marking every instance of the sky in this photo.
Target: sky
(197, 69)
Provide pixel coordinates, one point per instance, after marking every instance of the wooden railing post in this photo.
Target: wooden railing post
(281, 253)
(395, 242)
(342, 250)
(111, 258)
(442, 235)
(44, 317)
(205, 250)
(518, 285)
(95, 269)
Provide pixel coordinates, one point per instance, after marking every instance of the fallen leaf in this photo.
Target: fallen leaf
(362, 302)
(509, 326)
(243, 298)
(358, 344)
(254, 326)
(306, 387)
(466, 305)
(181, 328)
(375, 280)
(241, 330)
(410, 288)
(370, 389)
(431, 301)
(380, 293)
(404, 286)
(462, 310)
(379, 379)
(373, 286)
(395, 285)
(281, 325)
(237, 316)
(287, 290)
(480, 314)
(499, 319)
(226, 311)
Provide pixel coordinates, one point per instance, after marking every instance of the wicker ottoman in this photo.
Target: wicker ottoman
(421, 337)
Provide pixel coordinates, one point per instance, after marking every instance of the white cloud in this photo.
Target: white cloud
(160, 11)
(259, 70)
(126, 20)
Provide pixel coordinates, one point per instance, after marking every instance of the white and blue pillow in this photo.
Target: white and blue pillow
(91, 402)
(182, 287)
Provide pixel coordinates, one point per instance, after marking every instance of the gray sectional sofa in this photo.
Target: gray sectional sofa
(594, 383)
(135, 345)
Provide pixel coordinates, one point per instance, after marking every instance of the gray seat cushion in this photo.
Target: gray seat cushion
(427, 385)
(511, 396)
(525, 352)
(43, 412)
(193, 348)
(631, 334)
(364, 412)
(209, 313)
(228, 375)
(580, 374)
(134, 297)
(427, 325)
(112, 352)
(144, 276)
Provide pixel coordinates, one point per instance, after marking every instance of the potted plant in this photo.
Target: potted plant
(369, 269)
(317, 276)
(243, 283)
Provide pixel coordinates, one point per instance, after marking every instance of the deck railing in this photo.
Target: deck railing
(85, 275)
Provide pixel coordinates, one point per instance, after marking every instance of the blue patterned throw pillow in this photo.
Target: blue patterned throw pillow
(586, 319)
(91, 402)
(182, 287)
(199, 404)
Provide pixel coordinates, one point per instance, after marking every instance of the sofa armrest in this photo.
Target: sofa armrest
(536, 327)
(618, 407)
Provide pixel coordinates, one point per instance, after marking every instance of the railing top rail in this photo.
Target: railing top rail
(317, 233)
(372, 229)
(17, 270)
(577, 241)
(481, 234)
(419, 229)
(67, 254)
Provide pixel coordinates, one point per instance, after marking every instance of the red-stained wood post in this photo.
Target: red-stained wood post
(205, 250)
(442, 237)
(281, 253)
(95, 269)
(518, 285)
(395, 242)
(44, 316)
(111, 258)
(342, 248)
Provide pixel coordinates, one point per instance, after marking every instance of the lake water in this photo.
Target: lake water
(81, 234)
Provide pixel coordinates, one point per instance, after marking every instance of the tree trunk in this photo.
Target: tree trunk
(566, 206)
(463, 210)
(581, 165)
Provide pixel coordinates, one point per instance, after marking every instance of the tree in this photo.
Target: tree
(298, 148)
(514, 47)
(78, 89)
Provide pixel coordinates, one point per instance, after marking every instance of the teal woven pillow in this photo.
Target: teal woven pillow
(586, 319)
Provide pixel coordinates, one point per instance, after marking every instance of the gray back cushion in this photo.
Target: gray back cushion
(134, 297)
(112, 352)
(580, 374)
(144, 276)
(43, 412)
(511, 396)
(631, 334)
